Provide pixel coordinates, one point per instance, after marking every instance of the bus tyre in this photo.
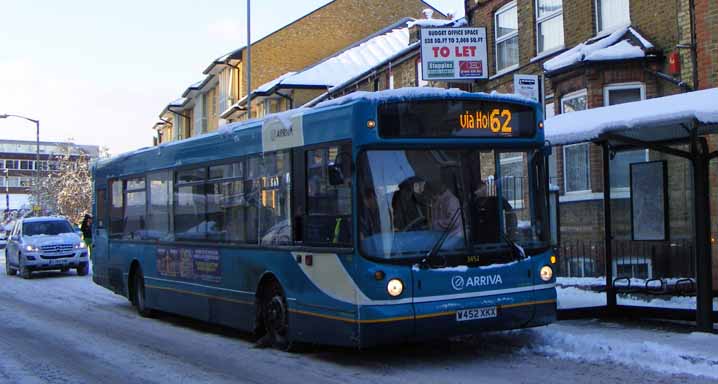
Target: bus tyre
(138, 297)
(275, 317)
(82, 270)
(10, 271)
(25, 272)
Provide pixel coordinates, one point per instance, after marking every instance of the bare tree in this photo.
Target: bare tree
(67, 187)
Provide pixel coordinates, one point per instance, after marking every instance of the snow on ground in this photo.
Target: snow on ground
(661, 351)
(63, 328)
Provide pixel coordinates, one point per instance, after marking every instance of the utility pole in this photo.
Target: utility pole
(249, 63)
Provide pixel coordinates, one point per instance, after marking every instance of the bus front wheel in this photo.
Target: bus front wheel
(275, 316)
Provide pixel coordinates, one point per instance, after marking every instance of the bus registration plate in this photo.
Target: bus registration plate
(476, 313)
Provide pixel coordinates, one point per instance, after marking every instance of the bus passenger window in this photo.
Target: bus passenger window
(190, 205)
(232, 203)
(274, 209)
(160, 200)
(135, 209)
(117, 224)
(329, 173)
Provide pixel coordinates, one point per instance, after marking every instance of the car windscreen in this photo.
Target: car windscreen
(54, 227)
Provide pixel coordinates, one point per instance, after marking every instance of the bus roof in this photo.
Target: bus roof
(246, 137)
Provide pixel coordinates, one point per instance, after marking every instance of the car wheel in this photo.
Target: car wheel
(82, 270)
(138, 299)
(10, 271)
(275, 316)
(25, 272)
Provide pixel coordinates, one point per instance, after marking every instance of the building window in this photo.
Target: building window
(577, 101)
(549, 25)
(576, 168)
(576, 164)
(621, 163)
(611, 14)
(507, 37)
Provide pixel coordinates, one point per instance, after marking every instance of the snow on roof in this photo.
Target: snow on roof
(179, 102)
(668, 111)
(400, 94)
(604, 47)
(266, 87)
(354, 60)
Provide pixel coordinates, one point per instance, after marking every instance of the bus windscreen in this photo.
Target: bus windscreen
(456, 118)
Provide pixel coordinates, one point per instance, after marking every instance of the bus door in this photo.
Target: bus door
(99, 251)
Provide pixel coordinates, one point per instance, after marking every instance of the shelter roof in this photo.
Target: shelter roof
(654, 120)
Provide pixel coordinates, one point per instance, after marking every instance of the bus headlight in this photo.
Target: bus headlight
(546, 273)
(395, 287)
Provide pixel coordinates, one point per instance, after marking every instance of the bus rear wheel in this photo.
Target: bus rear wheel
(138, 294)
(275, 316)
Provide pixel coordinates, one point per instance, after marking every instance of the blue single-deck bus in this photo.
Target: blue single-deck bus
(375, 218)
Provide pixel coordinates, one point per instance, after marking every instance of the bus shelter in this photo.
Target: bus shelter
(654, 258)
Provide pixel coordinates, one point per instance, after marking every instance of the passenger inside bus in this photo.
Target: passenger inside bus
(446, 208)
(485, 226)
(410, 205)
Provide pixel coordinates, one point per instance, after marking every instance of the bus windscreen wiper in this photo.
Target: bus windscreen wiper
(434, 252)
(515, 248)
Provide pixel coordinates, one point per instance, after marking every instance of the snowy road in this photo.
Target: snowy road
(61, 328)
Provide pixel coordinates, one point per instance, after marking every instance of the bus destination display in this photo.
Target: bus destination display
(456, 119)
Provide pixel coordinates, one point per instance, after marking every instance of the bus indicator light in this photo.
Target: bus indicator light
(553, 259)
(379, 275)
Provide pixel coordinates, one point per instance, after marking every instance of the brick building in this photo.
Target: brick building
(212, 101)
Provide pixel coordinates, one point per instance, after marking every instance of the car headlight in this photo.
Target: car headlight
(80, 245)
(30, 248)
(546, 273)
(395, 287)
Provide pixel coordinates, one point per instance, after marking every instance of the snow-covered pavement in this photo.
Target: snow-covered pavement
(61, 328)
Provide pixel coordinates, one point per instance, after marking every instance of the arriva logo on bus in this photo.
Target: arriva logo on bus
(459, 283)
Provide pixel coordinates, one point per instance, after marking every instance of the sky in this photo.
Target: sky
(100, 72)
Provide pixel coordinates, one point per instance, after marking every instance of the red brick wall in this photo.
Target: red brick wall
(707, 40)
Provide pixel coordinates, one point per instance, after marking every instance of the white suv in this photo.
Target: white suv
(44, 243)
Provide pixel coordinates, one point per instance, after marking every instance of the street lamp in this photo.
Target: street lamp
(37, 154)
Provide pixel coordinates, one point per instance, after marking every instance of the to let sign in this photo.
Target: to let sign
(453, 54)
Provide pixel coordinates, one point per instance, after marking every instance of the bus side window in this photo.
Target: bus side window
(328, 175)
(117, 208)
